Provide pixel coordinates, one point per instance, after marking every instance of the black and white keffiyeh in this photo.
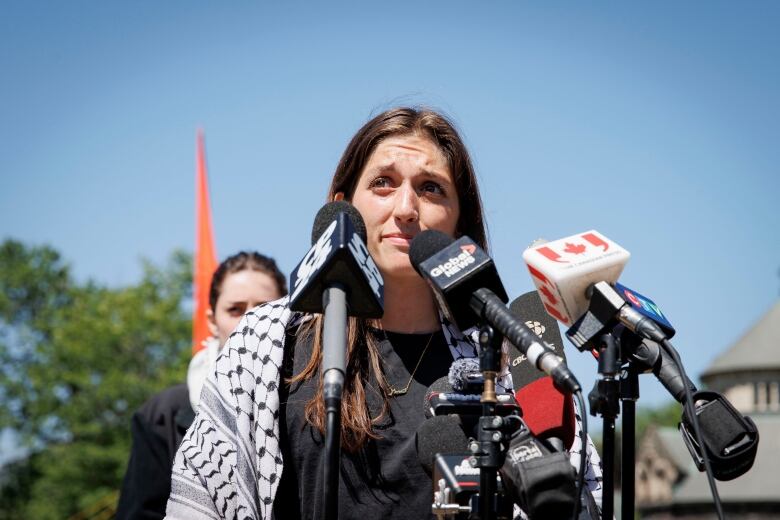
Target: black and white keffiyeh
(230, 462)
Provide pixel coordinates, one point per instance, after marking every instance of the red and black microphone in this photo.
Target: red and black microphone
(548, 412)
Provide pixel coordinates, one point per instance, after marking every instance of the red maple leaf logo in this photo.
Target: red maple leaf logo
(575, 249)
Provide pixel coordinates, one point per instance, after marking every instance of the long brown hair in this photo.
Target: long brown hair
(357, 423)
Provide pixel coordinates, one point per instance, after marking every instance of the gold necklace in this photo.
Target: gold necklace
(394, 392)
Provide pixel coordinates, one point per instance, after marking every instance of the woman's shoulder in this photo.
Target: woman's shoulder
(249, 368)
(273, 311)
(164, 403)
(261, 335)
(269, 320)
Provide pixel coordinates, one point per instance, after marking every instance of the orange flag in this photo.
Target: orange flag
(205, 254)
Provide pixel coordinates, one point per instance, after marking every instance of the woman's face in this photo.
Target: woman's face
(405, 187)
(240, 291)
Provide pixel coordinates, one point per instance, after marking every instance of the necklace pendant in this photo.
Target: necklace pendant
(393, 391)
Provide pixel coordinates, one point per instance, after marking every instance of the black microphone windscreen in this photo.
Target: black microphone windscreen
(427, 244)
(460, 370)
(440, 434)
(328, 213)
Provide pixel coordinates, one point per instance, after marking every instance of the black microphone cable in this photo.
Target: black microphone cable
(667, 346)
(583, 452)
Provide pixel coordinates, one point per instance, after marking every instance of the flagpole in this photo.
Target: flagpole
(205, 254)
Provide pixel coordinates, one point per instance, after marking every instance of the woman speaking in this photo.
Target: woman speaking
(255, 448)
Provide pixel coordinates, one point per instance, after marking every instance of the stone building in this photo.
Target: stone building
(668, 485)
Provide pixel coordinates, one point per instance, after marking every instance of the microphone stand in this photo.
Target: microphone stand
(603, 401)
(629, 393)
(487, 451)
(619, 379)
(334, 348)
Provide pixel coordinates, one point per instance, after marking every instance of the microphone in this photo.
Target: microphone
(460, 394)
(338, 278)
(573, 277)
(338, 257)
(730, 439)
(562, 271)
(447, 446)
(649, 356)
(536, 473)
(468, 289)
(539, 477)
(465, 376)
(646, 353)
(607, 309)
(548, 412)
(455, 269)
(646, 307)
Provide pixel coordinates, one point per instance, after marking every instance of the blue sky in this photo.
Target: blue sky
(656, 124)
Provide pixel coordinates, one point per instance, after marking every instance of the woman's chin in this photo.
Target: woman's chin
(400, 271)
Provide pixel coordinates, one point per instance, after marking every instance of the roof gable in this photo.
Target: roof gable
(757, 349)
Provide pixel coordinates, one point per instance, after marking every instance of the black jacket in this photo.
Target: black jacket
(157, 430)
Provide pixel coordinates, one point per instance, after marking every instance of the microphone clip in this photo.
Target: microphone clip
(603, 306)
(730, 438)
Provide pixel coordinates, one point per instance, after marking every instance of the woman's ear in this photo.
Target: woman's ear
(212, 323)
(338, 196)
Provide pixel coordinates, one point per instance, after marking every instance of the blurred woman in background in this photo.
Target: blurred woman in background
(241, 282)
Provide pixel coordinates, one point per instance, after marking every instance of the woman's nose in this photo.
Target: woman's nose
(406, 204)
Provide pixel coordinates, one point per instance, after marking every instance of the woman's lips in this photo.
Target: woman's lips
(399, 239)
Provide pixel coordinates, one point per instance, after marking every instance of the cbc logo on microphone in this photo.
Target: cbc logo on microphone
(535, 326)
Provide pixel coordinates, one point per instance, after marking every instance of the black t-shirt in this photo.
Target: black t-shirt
(384, 480)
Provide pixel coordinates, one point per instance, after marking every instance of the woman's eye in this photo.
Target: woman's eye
(433, 188)
(380, 182)
(236, 311)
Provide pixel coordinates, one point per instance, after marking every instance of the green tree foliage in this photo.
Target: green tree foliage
(76, 359)
(668, 414)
